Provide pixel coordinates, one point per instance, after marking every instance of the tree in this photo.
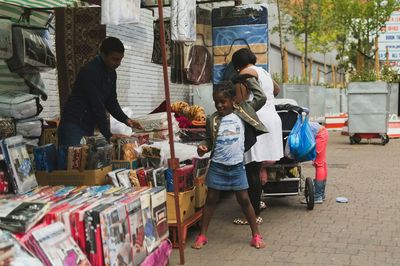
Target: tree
(306, 18)
(361, 20)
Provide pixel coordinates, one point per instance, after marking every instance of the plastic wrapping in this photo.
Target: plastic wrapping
(126, 11)
(6, 49)
(19, 105)
(31, 50)
(31, 128)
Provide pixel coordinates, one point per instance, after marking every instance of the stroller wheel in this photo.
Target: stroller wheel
(309, 193)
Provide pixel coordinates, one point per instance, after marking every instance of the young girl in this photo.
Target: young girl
(321, 167)
(230, 132)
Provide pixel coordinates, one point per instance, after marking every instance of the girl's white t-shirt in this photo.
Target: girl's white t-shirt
(229, 145)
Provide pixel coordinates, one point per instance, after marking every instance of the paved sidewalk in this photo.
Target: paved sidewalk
(365, 231)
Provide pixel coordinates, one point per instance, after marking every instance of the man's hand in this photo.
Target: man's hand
(201, 150)
(133, 124)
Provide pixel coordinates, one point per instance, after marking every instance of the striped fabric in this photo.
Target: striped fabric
(37, 18)
(42, 3)
(10, 81)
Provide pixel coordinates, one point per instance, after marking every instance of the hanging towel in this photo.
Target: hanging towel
(120, 12)
(183, 20)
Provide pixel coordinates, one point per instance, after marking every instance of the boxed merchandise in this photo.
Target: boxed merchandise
(136, 226)
(159, 210)
(200, 194)
(54, 246)
(19, 164)
(151, 238)
(74, 177)
(122, 164)
(186, 203)
(49, 136)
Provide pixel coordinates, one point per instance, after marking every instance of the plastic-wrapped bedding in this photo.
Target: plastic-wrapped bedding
(31, 50)
(6, 49)
(19, 105)
(30, 128)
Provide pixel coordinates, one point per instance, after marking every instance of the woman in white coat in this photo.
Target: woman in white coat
(269, 146)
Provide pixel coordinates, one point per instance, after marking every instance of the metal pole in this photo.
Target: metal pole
(173, 162)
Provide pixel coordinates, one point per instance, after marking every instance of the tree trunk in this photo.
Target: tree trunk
(310, 72)
(303, 67)
(285, 66)
(377, 67)
(334, 76)
(360, 58)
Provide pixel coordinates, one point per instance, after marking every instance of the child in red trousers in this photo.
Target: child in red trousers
(321, 169)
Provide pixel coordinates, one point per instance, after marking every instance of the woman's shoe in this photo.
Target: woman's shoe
(201, 240)
(257, 241)
(263, 205)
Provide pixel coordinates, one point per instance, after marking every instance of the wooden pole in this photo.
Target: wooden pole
(173, 162)
(334, 76)
(387, 56)
(310, 71)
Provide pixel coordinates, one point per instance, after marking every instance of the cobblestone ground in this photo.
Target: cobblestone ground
(365, 231)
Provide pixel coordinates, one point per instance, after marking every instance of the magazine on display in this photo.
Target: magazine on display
(20, 216)
(19, 164)
(116, 237)
(136, 228)
(159, 211)
(151, 238)
(54, 246)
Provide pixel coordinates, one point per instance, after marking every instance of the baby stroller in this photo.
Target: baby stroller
(285, 177)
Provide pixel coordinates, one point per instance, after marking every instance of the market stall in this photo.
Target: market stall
(138, 169)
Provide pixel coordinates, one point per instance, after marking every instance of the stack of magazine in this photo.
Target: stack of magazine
(109, 225)
(19, 216)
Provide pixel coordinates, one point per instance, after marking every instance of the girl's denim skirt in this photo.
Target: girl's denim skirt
(226, 177)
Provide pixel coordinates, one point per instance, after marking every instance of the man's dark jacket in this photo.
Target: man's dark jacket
(93, 93)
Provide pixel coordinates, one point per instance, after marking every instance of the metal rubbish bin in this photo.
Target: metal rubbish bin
(312, 97)
(368, 110)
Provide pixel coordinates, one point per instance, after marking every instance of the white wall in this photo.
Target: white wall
(140, 83)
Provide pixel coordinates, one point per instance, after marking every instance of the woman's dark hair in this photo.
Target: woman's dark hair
(227, 88)
(243, 57)
(112, 44)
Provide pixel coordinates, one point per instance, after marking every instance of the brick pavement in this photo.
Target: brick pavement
(365, 231)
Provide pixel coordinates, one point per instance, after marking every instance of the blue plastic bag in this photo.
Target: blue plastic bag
(302, 141)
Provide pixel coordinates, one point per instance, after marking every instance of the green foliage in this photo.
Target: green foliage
(294, 80)
(367, 75)
(390, 75)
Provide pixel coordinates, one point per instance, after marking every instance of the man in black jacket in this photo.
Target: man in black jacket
(93, 93)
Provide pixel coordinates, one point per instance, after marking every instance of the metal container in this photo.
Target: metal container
(394, 98)
(368, 107)
(312, 97)
(332, 101)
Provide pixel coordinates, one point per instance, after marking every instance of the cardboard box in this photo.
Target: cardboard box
(73, 177)
(200, 193)
(186, 204)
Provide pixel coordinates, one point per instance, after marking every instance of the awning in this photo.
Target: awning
(42, 3)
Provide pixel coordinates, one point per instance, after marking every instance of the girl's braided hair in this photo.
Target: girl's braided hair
(227, 88)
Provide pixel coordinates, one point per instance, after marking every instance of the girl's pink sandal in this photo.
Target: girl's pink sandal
(201, 240)
(257, 241)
